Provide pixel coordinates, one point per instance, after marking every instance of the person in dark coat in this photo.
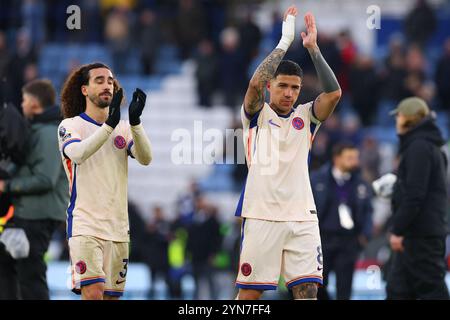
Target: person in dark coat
(344, 209)
(419, 207)
(158, 235)
(38, 190)
(204, 242)
(420, 23)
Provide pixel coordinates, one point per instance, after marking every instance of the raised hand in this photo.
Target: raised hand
(310, 37)
(114, 109)
(292, 10)
(136, 107)
(288, 28)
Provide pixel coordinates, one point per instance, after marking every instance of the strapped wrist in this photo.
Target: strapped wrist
(284, 44)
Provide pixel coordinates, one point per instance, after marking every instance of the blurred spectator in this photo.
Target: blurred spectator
(138, 235)
(10, 17)
(320, 152)
(310, 89)
(92, 23)
(111, 4)
(40, 181)
(55, 20)
(22, 57)
(415, 60)
(190, 26)
(299, 54)
(333, 127)
(204, 242)
(365, 88)
(30, 73)
(117, 33)
(351, 130)
(250, 38)
(206, 73)
(370, 159)
(420, 23)
(330, 51)
(33, 14)
(235, 147)
(442, 77)
(416, 76)
(149, 41)
(275, 31)
(176, 254)
(14, 131)
(186, 204)
(394, 71)
(232, 245)
(344, 210)
(348, 54)
(157, 249)
(232, 72)
(4, 55)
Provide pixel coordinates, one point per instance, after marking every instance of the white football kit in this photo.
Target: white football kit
(97, 215)
(280, 232)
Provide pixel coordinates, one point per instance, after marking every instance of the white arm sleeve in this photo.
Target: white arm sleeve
(141, 148)
(79, 151)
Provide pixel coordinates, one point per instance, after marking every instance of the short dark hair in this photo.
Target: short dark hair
(43, 90)
(288, 68)
(341, 147)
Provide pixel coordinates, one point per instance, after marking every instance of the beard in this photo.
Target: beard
(353, 170)
(99, 101)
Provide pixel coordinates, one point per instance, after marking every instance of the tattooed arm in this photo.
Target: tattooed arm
(254, 97)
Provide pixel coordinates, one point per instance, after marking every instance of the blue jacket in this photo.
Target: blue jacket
(327, 198)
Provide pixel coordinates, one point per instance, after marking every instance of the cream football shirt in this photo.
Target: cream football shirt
(277, 151)
(98, 186)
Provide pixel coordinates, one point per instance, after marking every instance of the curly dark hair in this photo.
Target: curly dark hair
(73, 102)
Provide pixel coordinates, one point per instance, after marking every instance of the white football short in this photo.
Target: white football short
(96, 260)
(273, 248)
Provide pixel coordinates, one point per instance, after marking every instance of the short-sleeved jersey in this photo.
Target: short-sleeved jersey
(277, 152)
(98, 186)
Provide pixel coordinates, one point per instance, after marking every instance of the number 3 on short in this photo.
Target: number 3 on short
(123, 273)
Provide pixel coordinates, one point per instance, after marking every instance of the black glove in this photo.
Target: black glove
(114, 109)
(136, 107)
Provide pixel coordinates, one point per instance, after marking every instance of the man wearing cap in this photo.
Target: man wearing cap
(419, 207)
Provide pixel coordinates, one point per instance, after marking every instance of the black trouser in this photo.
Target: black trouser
(203, 270)
(164, 273)
(26, 278)
(419, 271)
(340, 253)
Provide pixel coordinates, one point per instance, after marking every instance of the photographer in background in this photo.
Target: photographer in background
(38, 189)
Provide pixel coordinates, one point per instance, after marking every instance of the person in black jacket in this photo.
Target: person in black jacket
(38, 190)
(204, 242)
(419, 207)
(344, 209)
